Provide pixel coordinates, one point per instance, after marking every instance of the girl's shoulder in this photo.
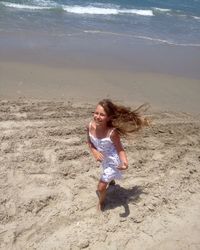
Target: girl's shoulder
(90, 126)
(114, 134)
(111, 130)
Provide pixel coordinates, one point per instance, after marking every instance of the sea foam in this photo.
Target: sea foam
(105, 11)
(77, 9)
(23, 6)
(153, 39)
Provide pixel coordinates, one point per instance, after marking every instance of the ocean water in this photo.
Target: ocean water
(159, 36)
(173, 22)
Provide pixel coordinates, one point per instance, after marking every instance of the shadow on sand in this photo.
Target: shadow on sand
(118, 196)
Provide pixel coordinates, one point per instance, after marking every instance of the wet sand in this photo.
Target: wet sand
(43, 81)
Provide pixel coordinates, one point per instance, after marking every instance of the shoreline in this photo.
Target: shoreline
(100, 51)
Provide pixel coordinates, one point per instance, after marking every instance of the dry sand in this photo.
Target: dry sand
(48, 181)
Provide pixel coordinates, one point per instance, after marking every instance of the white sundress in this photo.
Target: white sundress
(111, 159)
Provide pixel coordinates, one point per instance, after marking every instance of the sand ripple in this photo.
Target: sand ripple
(48, 181)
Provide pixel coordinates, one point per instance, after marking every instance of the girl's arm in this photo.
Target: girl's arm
(97, 155)
(120, 150)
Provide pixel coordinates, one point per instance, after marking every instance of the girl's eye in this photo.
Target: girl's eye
(95, 113)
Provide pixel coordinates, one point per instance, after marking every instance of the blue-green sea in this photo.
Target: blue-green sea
(160, 21)
(161, 36)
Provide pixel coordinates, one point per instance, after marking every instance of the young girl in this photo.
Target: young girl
(110, 121)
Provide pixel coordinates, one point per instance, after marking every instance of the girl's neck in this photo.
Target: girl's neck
(102, 131)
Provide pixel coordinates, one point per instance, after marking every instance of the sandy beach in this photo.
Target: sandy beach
(58, 58)
(48, 181)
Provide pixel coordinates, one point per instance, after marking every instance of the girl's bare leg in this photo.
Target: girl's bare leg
(102, 194)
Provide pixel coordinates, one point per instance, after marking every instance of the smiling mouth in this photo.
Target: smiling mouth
(98, 122)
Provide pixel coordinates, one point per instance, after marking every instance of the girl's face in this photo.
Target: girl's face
(100, 116)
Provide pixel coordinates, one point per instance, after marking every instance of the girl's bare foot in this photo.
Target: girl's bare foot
(100, 206)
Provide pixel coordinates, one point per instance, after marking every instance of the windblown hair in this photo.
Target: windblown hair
(125, 120)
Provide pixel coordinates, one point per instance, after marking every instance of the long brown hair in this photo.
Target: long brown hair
(122, 118)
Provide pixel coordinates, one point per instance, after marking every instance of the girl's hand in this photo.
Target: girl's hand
(98, 155)
(122, 166)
